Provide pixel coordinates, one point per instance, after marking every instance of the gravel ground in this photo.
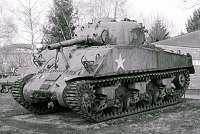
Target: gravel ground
(182, 118)
(192, 93)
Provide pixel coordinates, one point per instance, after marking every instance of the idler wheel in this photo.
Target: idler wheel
(180, 81)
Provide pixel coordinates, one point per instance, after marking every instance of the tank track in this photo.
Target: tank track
(74, 90)
(36, 108)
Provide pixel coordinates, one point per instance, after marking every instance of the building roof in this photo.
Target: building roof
(186, 40)
(22, 45)
(15, 48)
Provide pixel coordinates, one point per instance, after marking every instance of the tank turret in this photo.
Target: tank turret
(105, 72)
(106, 31)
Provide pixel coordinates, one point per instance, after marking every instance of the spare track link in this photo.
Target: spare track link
(74, 89)
(37, 108)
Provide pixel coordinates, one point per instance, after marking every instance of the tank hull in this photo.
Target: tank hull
(113, 61)
(134, 59)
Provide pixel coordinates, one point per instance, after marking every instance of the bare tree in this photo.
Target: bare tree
(1, 63)
(119, 8)
(189, 4)
(29, 14)
(94, 9)
(13, 56)
(7, 27)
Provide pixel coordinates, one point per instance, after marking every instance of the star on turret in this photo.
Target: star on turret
(120, 62)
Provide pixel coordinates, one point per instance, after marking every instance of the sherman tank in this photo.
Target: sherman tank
(7, 83)
(106, 71)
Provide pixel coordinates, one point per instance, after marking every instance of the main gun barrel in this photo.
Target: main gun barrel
(67, 43)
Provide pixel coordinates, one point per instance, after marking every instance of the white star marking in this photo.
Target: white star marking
(120, 62)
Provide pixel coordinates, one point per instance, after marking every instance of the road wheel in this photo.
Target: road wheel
(180, 81)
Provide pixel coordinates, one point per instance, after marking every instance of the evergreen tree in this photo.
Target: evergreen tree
(193, 23)
(60, 25)
(158, 31)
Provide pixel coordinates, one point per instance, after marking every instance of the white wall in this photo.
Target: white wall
(195, 52)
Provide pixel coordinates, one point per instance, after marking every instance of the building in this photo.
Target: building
(186, 43)
(15, 55)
